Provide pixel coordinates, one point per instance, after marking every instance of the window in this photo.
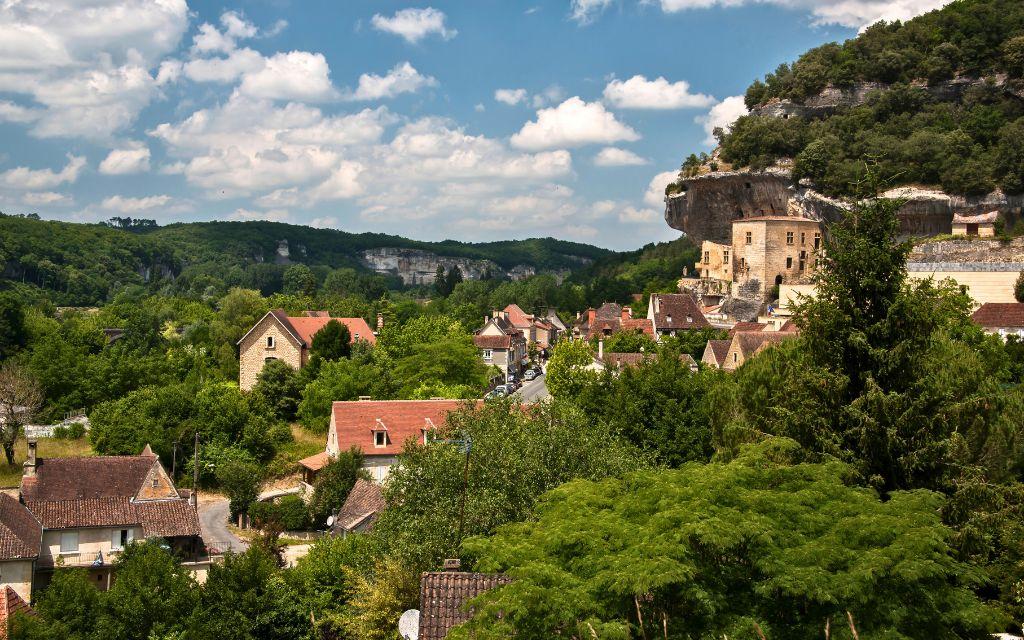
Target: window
(817, 240)
(668, 318)
(707, 257)
(803, 237)
(789, 237)
(69, 542)
(689, 319)
(121, 538)
(735, 357)
(355, 336)
(155, 483)
(743, 263)
(380, 438)
(725, 255)
(750, 238)
(269, 359)
(488, 355)
(789, 262)
(802, 264)
(270, 342)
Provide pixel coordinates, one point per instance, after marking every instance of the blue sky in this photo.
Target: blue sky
(468, 120)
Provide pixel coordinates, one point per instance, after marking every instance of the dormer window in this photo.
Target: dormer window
(668, 318)
(270, 342)
(689, 319)
(355, 336)
(380, 439)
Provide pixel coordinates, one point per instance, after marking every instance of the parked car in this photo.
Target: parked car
(530, 374)
(499, 391)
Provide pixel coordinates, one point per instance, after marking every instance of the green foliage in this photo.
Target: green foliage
(13, 334)
(325, 580)
(629, 342)
(333, 342)
(450, 367)
(343, 379)
(287, 513)
(713, 550)
(240, 481)
(67, 608)
(299, 280)
(566, 373)
(278, 390)
(333, 484)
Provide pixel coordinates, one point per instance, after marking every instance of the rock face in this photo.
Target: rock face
(969, 251)
(419, 267)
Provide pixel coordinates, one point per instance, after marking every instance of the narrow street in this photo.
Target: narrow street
(213, 519)
(533, 390)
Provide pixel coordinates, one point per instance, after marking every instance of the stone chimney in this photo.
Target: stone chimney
(452, 564)
(30, 463)
(380, 321)
(627, 313)
(590, 316)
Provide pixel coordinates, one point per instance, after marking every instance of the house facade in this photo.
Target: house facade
(1001, 318)
(278, 336)
(500, 344)
(539, 331)
(379, 429)
(671, 313)
(747, 344)
(980, 226)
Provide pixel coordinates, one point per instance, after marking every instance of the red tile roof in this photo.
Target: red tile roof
(364, 503)
(754, 342)
(995, 315)
(492, 342)
(671, 311)
(20, 532)
(640, 325)
(443, 595)
(746, 326)
(719, 349)
(355, 422)
(10, 604)
(317, 462)
(517, 316)
(87, 478)
(306, 328)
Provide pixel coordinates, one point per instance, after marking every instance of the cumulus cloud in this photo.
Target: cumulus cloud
(37, 179)
(414, 24)
(721, 115)
(224, 69)
(551, 95)
(585, 11)
(616, 157)
(46, 198)
(847, 13)
(296, 75)
(403, 78)
(11, 112)
(571, 124)
(510, 97)
(633, 215)
(270, 215)
(132, 159)
(640, 93)
(655, 194)
(123, 204)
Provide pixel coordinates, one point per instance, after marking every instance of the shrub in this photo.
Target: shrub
(286, 514)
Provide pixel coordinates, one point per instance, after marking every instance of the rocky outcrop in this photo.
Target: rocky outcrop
(414, 266)
(968, 251)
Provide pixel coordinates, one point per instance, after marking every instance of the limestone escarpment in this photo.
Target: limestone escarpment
(969, 251)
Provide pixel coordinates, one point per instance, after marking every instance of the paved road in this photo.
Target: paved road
(533, 390)
(213, 518)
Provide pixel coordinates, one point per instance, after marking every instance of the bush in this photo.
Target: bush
(333, 484)
(286, 514)
(241, 482)
(1018, 288)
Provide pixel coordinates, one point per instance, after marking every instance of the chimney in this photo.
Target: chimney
(590, 316)
(30, 463)
(627, 313)
(452, 564)
(380, 321)
(494, 314)
(600, 349)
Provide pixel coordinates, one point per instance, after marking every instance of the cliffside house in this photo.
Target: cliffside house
(715, 352)
(362, 507)
(673, 312)
(536, 330)
(91, 508)
(444, 594)
(380, 429)
(747, 344)
(982, 225)
(278, 336)
(21, 537)
(501, 344)
(1001, 318)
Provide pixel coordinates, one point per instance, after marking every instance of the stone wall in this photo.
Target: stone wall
(253, 351)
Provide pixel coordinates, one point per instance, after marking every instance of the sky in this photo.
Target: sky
(473, 120)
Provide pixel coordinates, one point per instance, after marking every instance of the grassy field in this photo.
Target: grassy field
(10, 475)
(304, 445)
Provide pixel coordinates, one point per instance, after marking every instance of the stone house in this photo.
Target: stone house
(444, 594)
(536, 330)
(11, 604)
(674, 312)
(21, 536)
(379, 429)
(362, 507)
(1001, 318)
(715, 352)
(747, 344)
(278, 336)
(981, 226)
(501, 345)
(91, 508)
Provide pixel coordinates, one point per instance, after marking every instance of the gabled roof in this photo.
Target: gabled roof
(303, 328)
(355, 421)
(93, 477)
(753, 342)
(621, 360)
(981, 218)
(20, 532)
(443, 595)
(364, 502)
(10, 604)
(517, 316)
(671, 311)
(492, 342)
(747, 326)
(316, 462)
(719, 349)
(639, 325)
(995, 315)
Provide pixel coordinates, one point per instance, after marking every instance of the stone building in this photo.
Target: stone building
(981, 226)
(278, 336)
(501, 345)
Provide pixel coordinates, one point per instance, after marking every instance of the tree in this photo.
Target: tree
(67, 608)
(326, 577)
(1018, 288)
(13, 334)
(453, 279)
(299, 280)
(630, 342)
(20, 399)
(277, 390)
(241, 482)
(341, 380)
(332, 486)
(724, 550)
(332, 342)
(440, 282)
(566, 372)
(450, 364)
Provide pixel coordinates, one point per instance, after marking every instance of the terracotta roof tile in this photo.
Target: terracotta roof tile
(676, 311)
(640, 325)
(20, 532)
(306, 327)
(364, 502)
(87, 478)
(315, 462)
(492, 342)
(10, 604)
(747, 326)
(995, 315)
(753, 342)
(355, 422)
(719, 349)
(443, 596)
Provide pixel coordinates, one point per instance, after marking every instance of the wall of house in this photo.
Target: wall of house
(734, 357)
(715, 261)
(90, 542)
(766, 255)
(379, 466)
(17, 574)
(982, 286)
(253, 351)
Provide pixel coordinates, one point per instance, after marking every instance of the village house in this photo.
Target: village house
(538, 331)
(379, 429)
(501, 345)
(278, 336)
(444, 594)
(1001, 318)
(21, 536)
(747, 344)
(670, 313)
(362, 507)
(981, 226)
(11, 604)
(91, 508)
(715, 352)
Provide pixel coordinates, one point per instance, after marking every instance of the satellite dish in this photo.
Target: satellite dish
(409, 625)
(330, 521)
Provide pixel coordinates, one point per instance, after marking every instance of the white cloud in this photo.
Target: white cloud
(634, 215)
(226, 69)
(572, 123)
(296, 75)
(128, 205)
(132, 159)
(847, 13)
(36, 179)
(403, 78)
(271, 215)
(510, 96)
(324, 222)
(616, 157)
(46, 198)
(414, 24)
(551, 95)
(640, 93)
(585, 11)
(479, 107)
(343, 183)
(655, 194)
(721, 115)
(11, 112)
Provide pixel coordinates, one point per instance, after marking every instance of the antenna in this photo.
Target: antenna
(409, 625)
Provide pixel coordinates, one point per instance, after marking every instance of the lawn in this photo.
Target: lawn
(10, 475)
(305, 444)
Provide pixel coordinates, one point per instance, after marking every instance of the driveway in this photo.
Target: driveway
(213, 519)
(533, 390)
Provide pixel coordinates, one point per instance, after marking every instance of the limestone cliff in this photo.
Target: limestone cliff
(415, 267)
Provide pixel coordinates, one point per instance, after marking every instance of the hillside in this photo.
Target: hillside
(937, 101)
(81, 264)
